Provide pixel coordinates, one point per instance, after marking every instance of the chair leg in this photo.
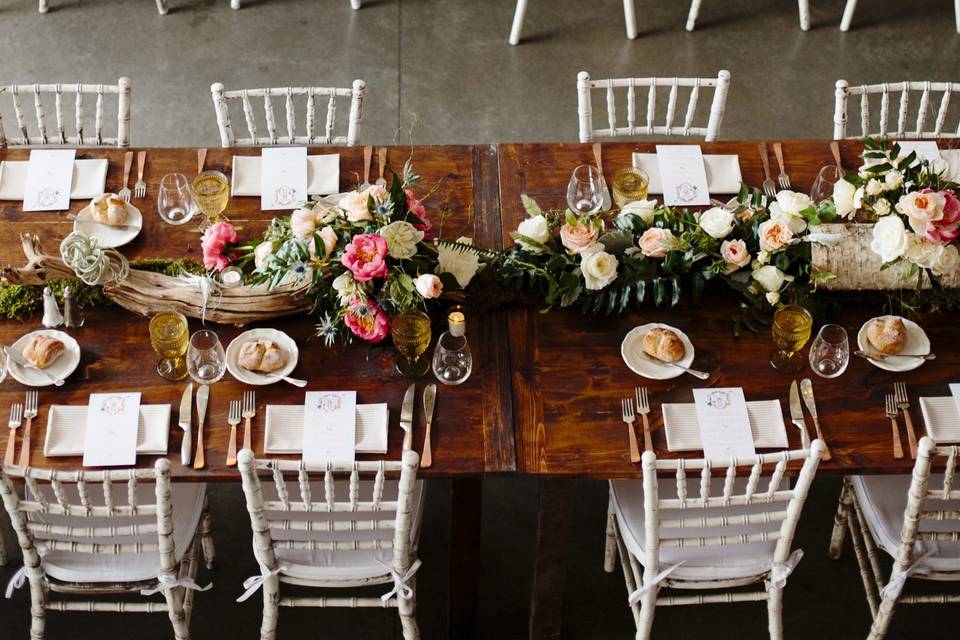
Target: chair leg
(44, 6)
(956, 13)
(840, 521)
(518, 16)
(235, 4)
(630, 18)
(175, 612)
(804, 7)
(881, 622)
(610, 547)
(848, 15)
(188, 568)
(162, 7)
(355, 4)
(206, 537)
(271, 608)
(3, 551)
(775, 612)
(647, 606)
(408, 617)
(692, 16)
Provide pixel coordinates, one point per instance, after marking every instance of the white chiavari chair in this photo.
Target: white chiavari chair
(314, 135)
(708, 534)
(516, 29)
(63, 94)
(101, 533)
(44, 6)
(915, 519)
(585, 87)
(235, 4)
(343, 532)
(851, 7)
(803, 7)
(918, 126)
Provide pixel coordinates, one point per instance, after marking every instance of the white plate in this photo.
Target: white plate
(917, 342)
(61, 368)
(284, 341)
(631, 350)
(107, 236)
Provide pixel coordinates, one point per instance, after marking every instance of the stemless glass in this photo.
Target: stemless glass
(411, 336)
(206, 361)
(212, 190)
(791, 330)
(175, 202)
(823, 184)
(830, 351)
(585, 191)
(170, 337)
(629, 185)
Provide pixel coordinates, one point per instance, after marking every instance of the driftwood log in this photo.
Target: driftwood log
(148, 293)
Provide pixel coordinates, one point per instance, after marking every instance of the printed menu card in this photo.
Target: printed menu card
(683, 175)
(724, 423)
(49, 178)
(283, 177)
(112, 423)
(329, 427)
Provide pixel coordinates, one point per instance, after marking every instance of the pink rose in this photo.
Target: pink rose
(303, 222)
(367, 321)
(214, 241)
(945, 230)
(922, 208)
(366, 257)
(656, 242)
(429, 286)
(354, 204)
(735, 254)
(578, 237)
(774, 234)
(416, 208)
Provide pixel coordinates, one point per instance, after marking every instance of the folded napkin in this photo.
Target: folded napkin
(67, 425)
(284, 428)
(941, 417)
(952, 156)
(723, 172)
(683, 429)
(89, 178)
(323, 175)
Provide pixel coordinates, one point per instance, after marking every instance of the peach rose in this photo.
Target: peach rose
(578, 237)
(656, 242)
(354, 205)
(923, 208)
(774, 234)
(735, 254)
(303, 222)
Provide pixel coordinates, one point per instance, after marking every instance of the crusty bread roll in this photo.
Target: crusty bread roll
(109, 208)
(663, 344)
(251, 353)
(261, 355)
(42, 351)
(887, 334)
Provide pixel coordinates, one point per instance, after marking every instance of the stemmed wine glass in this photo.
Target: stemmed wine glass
(791, 330)
(585, 191)
(823, 184)
(206, 361)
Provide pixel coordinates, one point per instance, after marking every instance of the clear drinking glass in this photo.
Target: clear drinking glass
(822, 188)
(830, 351)
(452, 360)
(175, 201)
(206, 361)
(585, 191)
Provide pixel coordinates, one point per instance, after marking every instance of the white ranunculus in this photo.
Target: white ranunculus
(263, 251)
(598, 267)
(890, 238)
(402, 238)
(429, 286)
(461, 263)
(643, 209)
(717, 222)
(345, 286)
(770, 278)
(882, 207)
(947, 261)
(874, 187)
(843, 193)
(893, 179)
(536, 228)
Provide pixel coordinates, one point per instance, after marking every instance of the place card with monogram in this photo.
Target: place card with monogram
(111, 436)
(283, 178)
(49, 178)
(724, 423)
(683, 175)
(329, 427)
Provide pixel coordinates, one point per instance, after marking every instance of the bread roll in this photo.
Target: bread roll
(261, 355)
(109, 208)
(42, 351)
(251, 353)
(663, 344)
(273, 358)
(887, 334)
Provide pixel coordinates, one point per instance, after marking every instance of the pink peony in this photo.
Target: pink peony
(944, 230)
(366, 257)
(416, 208)
(367, 321)
(214, 241)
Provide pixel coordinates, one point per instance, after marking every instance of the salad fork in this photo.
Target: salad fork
(891, 410)
(783, 178)
(903, 403)
(16, 415)
(249, 411)
(629, 417)
(643, 408)
(367, 157)
(124, 193)
(769, 188)
(233, 419)
(29, 413)
(382, 161)
(140, 189)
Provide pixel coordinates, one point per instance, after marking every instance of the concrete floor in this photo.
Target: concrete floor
(447, 66)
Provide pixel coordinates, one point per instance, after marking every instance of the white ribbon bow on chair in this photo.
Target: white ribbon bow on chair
(400, 587)
(167, 582)
(780, 571)
(895, 586)
(635, 596)
(20, 577)
(253, 583)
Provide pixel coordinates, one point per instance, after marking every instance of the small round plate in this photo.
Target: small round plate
(61, 368)
(632, 352)
(917, 342)
(282, 340)
(109, 237)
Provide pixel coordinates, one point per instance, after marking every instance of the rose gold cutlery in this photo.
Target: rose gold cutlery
(429, 399)
(29, 413)
(367, 157)
(140, 189)
(16, 416)
(382, 161)
(903, 403)
(233, 419)
(769, 187)
(783, 178)
(835, 149)
(249, 411)
(629, 417)
(891, 408)
(643, 408)
(201, 160)
(124, 193)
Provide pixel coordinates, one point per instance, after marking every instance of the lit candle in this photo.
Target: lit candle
(231, 277)
(457, 323)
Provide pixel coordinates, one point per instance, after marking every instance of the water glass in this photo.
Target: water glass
(830, 351)
(206, 361)
(791, 330)
(175, 201)
(823, 184)
(585, 191)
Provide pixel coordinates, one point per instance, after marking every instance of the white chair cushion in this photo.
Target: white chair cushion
(714, 562)
(68, 566)
(883, 500)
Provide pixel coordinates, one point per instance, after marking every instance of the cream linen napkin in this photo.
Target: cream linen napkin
(284, 428)
(89, 178)
(941, 417)
(683, 430)
(723, 172)
(67, 425)
(323, 175)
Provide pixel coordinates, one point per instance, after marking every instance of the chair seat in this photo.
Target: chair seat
(715, 562)
(883, 500)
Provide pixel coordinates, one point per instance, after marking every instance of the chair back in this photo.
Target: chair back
(928, 119)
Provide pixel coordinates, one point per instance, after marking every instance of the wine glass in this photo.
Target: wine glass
(411, 336)
(585, 191)
(791, 330)
(822, 188)
(212, 190)
(830, 351)
(169, 335)
(175, 202)
(206, 361)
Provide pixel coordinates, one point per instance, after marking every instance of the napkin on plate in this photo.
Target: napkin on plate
(941, 417)
(323, 175)
(723, 172)
(683, 430)
(67, 425)
(284, 428)
(89, 178)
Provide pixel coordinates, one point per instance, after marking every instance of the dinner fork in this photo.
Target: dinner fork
(903, 402)
(382, 161)
(367, 157)
(124, 193)
(233, 419)
(140, 189)
(643, 408)
(249, 411)
(29, 412)
(783, 178)
(891, 406)
(16, 415)
(629, 417)
(769, 188)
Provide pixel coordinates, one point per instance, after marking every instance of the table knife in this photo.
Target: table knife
(806, 388)
(185, 422)
(429, 397)
(406, 416)
(796, 415)
(202, 395)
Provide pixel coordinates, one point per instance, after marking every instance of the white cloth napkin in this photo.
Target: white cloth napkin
(941, 417)
(284, 428)
(683, 430)
(723, 172)
(89, 178)
(323, 175)
(952, 156)
(67, 425)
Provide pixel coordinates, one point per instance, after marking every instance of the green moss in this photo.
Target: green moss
(171, 268)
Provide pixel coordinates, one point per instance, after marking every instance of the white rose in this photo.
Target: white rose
(893, 179)
(773, 297)
(922, 253)
(874, 187)
(735, 254)
(843, 194)
(789, 205)
(598, 267)
(402, 238)
(890, 238)
(263, 251)
(429, 286)
(643, 209)
(462, 263)
(535, 228)
(947, 261)
(345, 286)
(770, 278)
(881, 207)
(717, 222)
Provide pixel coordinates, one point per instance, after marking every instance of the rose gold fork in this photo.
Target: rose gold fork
(629, 417)
(891, 407)
(29, 413)
(233, 419)
(643, 408)
(16, 416)
(249, 411)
